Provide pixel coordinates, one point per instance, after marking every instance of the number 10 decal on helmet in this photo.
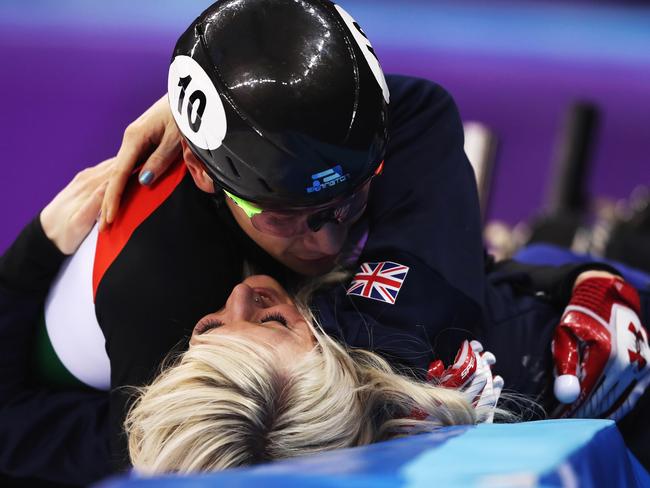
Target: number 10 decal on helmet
(195, 104)
(269, 93)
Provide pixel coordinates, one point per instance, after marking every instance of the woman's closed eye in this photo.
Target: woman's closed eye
(207, 324)
(275, 317)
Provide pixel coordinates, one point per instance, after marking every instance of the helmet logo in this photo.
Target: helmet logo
(195, 104)
(366, 49)
(327, 178)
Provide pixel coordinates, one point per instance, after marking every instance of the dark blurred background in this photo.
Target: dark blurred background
(75, 73)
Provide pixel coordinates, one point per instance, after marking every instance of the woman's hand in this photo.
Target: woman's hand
(153, 129)
(68, 218)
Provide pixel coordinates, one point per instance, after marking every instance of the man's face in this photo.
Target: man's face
(310, 254)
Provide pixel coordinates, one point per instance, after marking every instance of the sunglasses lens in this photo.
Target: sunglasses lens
(295, 223)
(279, 225)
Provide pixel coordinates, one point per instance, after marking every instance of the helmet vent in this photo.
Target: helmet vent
(232, 167)
(265, 185)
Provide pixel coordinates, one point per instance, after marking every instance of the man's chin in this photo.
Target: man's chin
(312, 267)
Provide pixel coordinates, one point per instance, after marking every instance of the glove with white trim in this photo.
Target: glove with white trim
(600, 350)
(471, 374)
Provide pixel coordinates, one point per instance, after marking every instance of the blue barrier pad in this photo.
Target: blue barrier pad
(549, 453)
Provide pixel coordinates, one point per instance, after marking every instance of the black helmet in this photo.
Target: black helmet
(284, 101)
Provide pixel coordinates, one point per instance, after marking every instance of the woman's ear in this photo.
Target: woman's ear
(196, 169)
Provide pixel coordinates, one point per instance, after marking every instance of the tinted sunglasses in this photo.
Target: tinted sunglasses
(294, 222)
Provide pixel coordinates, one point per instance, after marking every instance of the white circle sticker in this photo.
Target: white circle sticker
(196, 104)
(366, 49)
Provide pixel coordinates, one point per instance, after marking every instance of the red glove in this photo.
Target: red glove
(600, 351)
(471, 374)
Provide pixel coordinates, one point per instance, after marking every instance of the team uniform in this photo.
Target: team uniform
(184, 256)
(176, 253)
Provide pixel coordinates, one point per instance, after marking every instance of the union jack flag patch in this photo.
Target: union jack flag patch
(379, 281)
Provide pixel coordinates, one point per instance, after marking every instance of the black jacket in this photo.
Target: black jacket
(61, 436)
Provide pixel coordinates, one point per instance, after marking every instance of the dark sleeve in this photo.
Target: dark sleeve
(423, 214)
(59, 436)
(553, 283)
(426, 201)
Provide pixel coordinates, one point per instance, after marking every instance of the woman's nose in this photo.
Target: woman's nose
(241, 304)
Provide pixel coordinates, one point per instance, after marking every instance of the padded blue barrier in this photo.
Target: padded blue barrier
(549, 254)
(550, 453)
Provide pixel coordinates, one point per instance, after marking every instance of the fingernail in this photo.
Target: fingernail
(146, 178)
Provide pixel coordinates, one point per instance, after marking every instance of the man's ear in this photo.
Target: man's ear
(196, 168)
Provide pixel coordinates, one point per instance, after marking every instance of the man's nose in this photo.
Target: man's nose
(241, 304)
(328, 240)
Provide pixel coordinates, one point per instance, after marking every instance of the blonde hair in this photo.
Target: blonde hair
(234, 403)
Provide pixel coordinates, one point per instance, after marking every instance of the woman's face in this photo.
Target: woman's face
(259, 310)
